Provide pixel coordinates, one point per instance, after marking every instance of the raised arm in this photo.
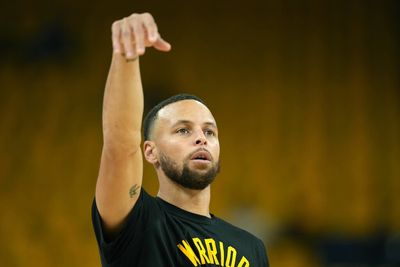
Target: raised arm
(121, 168)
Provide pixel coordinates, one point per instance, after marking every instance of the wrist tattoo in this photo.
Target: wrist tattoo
(133, 191)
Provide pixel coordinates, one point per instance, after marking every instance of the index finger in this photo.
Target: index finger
(139, 35)
(151, 27)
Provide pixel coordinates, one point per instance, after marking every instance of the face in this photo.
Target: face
(186, 145)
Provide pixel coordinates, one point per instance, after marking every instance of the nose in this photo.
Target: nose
(201, 139)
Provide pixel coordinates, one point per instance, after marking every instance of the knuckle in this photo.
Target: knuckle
(134, 16)
(115, 26)
(147, 15)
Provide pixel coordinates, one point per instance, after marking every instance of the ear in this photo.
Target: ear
(150, 152)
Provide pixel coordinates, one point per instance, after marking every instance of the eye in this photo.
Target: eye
(209, 132)
(182, 131)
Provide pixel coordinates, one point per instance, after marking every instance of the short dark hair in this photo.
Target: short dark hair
(151, 117)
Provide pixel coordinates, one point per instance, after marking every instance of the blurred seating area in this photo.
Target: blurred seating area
(305, 94)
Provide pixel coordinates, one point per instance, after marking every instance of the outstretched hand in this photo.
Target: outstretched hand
(131, 36)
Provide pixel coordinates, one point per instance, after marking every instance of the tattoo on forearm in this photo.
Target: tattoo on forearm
(133, 191)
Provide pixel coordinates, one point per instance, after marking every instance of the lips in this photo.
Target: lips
(201, 155)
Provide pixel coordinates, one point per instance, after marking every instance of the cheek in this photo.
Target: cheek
(171, 148)
(216, 150)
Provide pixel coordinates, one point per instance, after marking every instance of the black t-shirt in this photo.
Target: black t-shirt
(158, 234)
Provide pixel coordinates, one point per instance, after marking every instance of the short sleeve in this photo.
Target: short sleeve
(136, 223)
(262, 254)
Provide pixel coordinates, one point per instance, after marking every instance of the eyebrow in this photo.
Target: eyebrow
(190, 122)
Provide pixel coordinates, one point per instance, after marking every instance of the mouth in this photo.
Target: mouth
(201, 156)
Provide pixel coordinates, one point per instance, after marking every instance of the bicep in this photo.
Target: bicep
(118, 186)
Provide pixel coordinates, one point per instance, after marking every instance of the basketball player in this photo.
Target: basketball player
(175, 228)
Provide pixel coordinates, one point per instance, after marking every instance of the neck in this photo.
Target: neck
(194, 201)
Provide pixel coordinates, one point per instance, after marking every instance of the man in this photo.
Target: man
(181, 142)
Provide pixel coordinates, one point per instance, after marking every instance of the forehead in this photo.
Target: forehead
(185, 110)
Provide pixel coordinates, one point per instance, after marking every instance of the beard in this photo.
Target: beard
(186, 177)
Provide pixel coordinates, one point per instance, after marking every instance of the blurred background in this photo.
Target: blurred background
(305, 93)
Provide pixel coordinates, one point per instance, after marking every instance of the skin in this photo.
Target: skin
(181, 129)
(121, 167)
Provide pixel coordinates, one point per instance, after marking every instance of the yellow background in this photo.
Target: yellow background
(305, 93)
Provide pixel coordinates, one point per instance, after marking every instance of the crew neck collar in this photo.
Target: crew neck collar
(185, 214)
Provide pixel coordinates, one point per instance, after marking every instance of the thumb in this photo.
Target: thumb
(162, 45)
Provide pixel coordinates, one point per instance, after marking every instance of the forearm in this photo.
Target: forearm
(121, 166)
(123, 104)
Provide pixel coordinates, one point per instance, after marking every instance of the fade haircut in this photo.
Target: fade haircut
(151, 117)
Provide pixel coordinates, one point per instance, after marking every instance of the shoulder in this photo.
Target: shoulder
(144, 210)
(237, 232)
(243, 240)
